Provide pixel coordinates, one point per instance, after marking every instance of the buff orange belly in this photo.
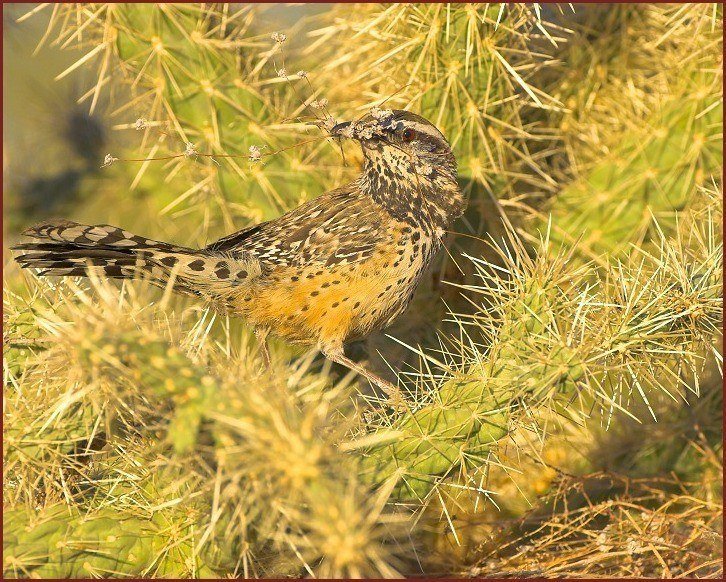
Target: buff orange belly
(328, 307)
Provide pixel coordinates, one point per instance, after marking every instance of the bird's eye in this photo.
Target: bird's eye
(408, 134)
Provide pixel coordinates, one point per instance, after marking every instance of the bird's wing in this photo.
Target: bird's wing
(339, 227)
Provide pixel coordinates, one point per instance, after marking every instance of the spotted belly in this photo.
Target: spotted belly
(329, 307)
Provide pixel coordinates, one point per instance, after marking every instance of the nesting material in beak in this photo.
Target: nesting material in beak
(369, 128)
(344, 129)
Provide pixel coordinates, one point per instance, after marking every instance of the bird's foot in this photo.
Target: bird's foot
(261, 335)
(395, 398)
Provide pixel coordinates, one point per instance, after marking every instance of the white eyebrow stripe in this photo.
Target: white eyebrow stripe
(427, 129)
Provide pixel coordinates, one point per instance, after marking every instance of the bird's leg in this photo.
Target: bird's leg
(261, 335)
(395, 397)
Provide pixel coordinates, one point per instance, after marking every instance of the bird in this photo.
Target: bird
(333, 270)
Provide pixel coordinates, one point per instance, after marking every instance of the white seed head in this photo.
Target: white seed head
(140, 124)
(302, 74)
(278, 37)
(381, 114)
(319, 103)
(282, 73)
(190, 150)
(108, 160)
(348, 132)
(255, 153)
(364, 131)
(632, 546)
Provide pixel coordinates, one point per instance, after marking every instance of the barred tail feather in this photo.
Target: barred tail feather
(67, 248)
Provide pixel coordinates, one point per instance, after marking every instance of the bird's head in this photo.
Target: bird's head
(402, 140)
(409, 165)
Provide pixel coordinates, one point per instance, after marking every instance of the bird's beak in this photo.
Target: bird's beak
(337, 129)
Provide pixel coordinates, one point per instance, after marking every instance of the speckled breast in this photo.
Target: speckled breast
(333, 305)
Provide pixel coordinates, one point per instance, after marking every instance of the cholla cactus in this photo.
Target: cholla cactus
(564, 339)
(138, 416)
(663, 76)
(467, 68)
(279, 465)
(198, 75)
(121, 530)
(157, 445)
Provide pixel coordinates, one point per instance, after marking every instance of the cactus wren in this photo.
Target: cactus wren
(334, 269)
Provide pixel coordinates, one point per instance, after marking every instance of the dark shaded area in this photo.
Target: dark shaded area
(85, 137)
(52, 142)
